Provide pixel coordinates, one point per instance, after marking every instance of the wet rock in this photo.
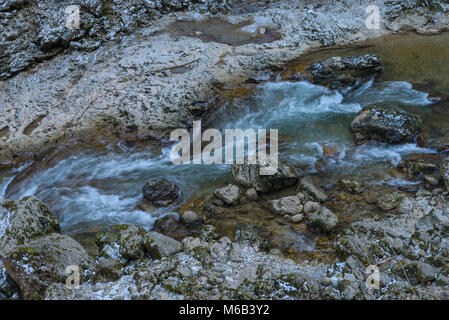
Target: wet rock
(251, 194)
(307, 186)
(352, 185)
(37, 264)
(170, 227)
(160, 246)
(340, 73)
(390, 201)
(8, 288)
(162, 193)
(385, 124)
(107, 269)
(122, 242)
(311, 206)
(323, 219)
(297, 218)
(189, 217)
(290, 206)
(24, 220)
(249, 176)
(229, 194)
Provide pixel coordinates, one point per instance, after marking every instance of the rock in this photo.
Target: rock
(248, 176)
(340, 73)
(251, 194)
(229, 194)
(286, 206)
(122, 242)
(297, 218)
(385, 124)
(208, 232)
(170, 227)
(162, 193)
(352, 185)
(189, 217)
(39, 263)
(108, 269)
(323, 219)
(444, 167)
(8, 288)
(306, 185)
(24, 220)
(390, 201)
(311, 206)
(160, 246)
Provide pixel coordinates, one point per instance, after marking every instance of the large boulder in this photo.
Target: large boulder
(160, 246)
(386, 124)
(24, 220)
(39, 263)
(248, 176)
(162, 193)
(340, 73)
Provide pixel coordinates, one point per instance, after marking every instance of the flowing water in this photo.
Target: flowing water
(92, 188)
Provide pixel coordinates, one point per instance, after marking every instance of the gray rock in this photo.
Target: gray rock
(208, 232)
(229, 194)
(122, 243)
(306, 185)
(286, 206)
(324, 220)
(24, 220)
(385, 124)
(297, 218)
(189, 217)
(8, 288)
(251, 194)
(352, 185)
(39, 263)
(248, 176)
(390, 201)
(340, 73)
(160, 246)
(162, 193)
(311, 206)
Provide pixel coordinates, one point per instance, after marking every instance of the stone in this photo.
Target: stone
(286, 206)
(208, 232)
(386, 124)
(169, 226)
(251, 194)
(39, 263)
(352, 185)
(160, 246)
(390, 201)
(162, 193)
(311, 206)
(343, 72)
(444, 167)
(122, 242)
(307, 186)
(24, 220)
(249, 176)
(229, 194)
(297, 218)
(324, 220)
(189, 217)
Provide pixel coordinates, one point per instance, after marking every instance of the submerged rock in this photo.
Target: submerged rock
(307, 186)
(189, 217)
(385, 124)
(340, 73)
(352, 185)
(248, 176)
(37, 264)
(162, 193)
(229, 194)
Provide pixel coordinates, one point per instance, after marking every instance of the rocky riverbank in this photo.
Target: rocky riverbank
(142, 80)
